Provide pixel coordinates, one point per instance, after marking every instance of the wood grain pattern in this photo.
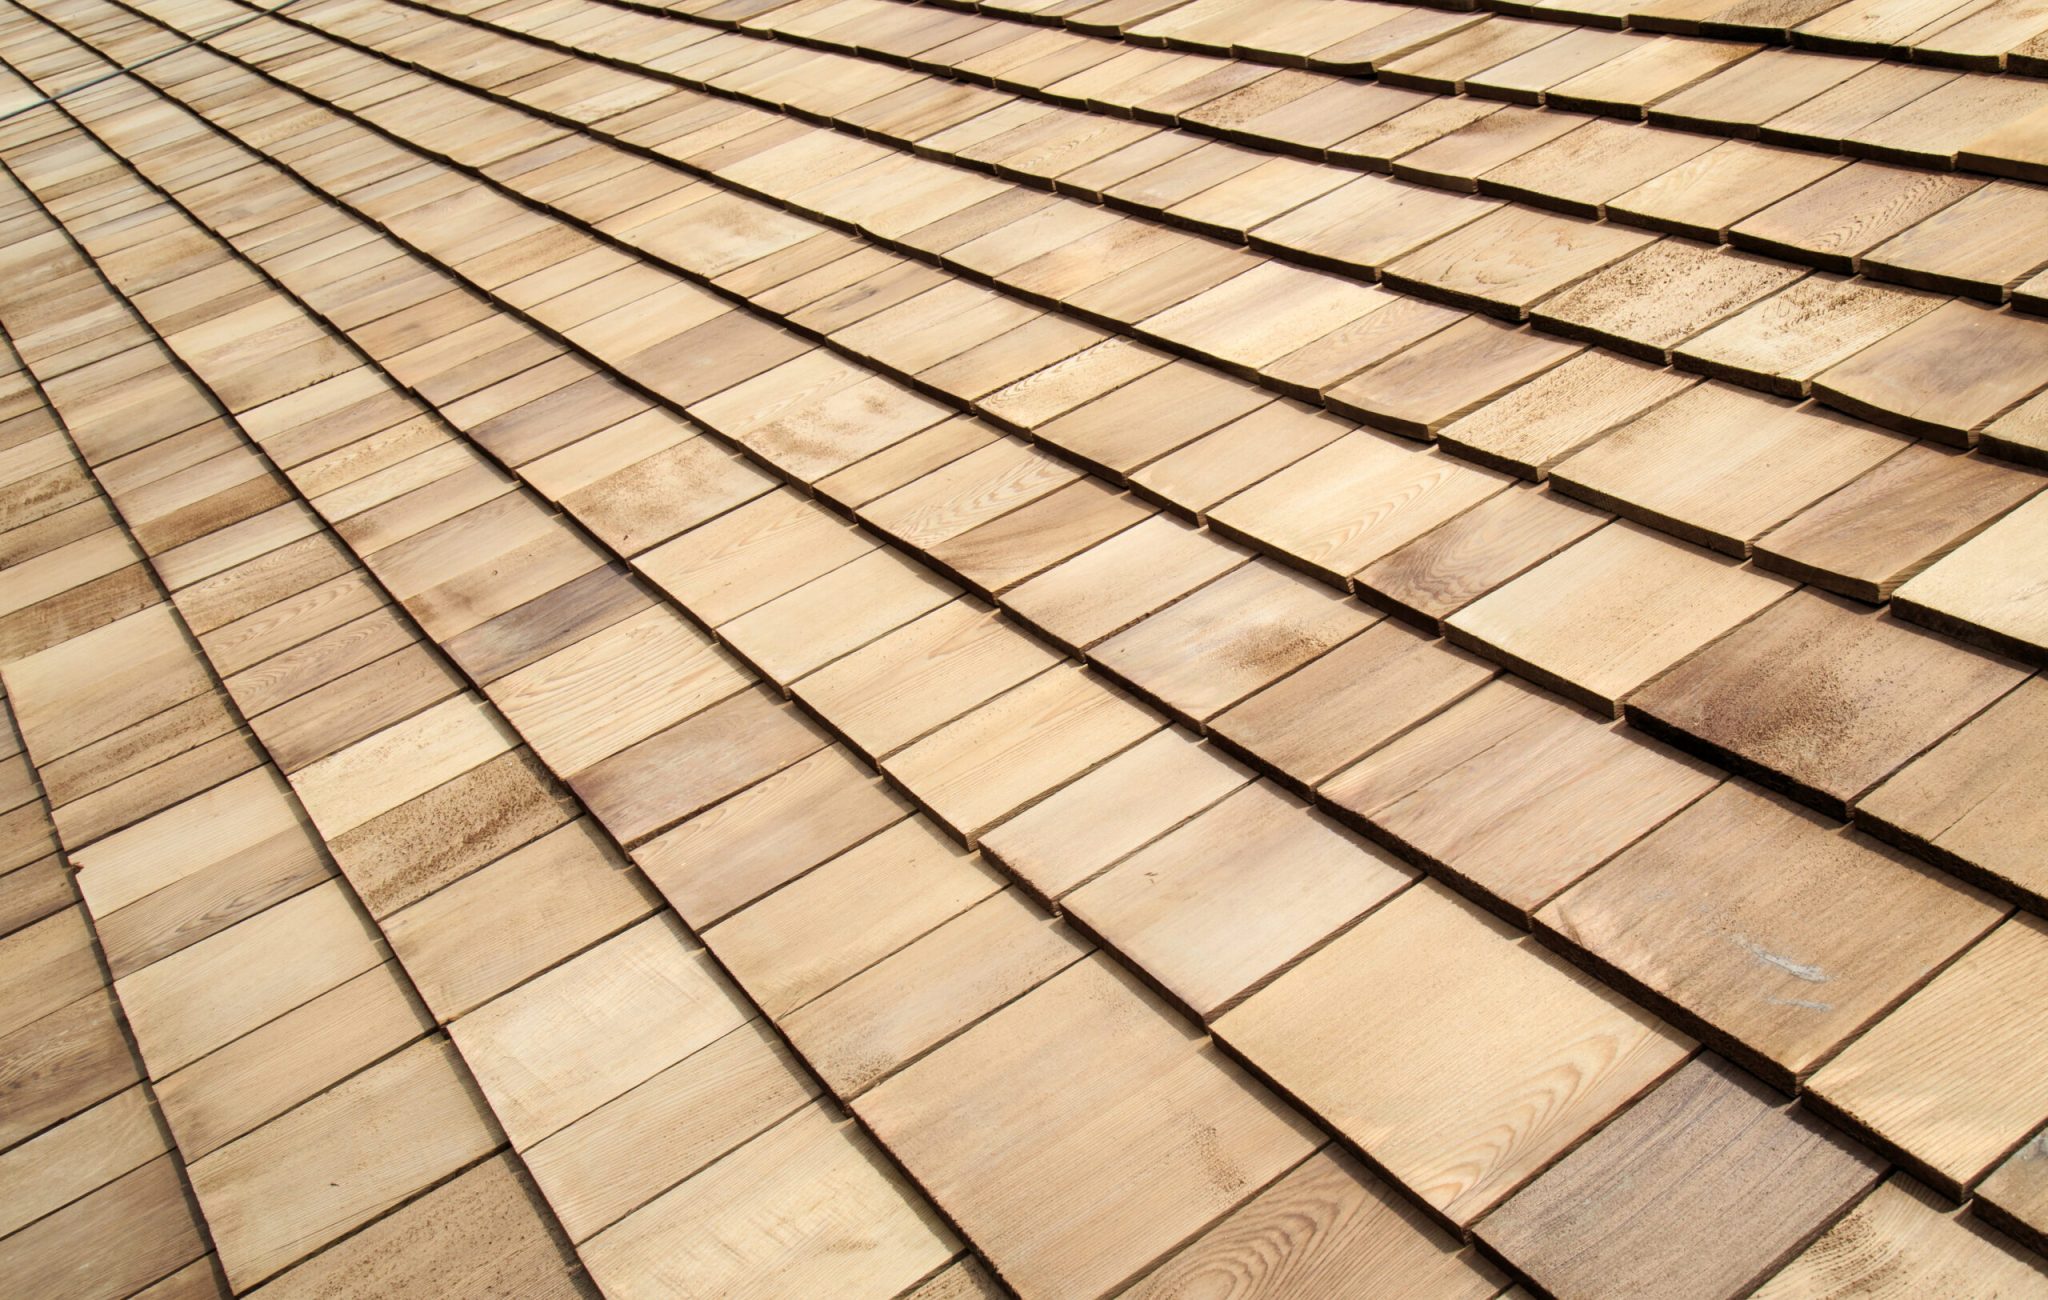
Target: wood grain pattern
(1017, 748)
(589, 700)
(1890, 524)
(1984, 592)
(1902, 1241)
(1820, 697)
(558, 1047)
(484, 1230)
(1701, 1188)
(640, 1144)
(917, 997)
(1328, 1228)
(1229, 638)
(79, 1156)
(1339, 509)
(809, 1204)
(1215, 908)
(1467, 789)
(1610, 612)
(1397, 1033)
(1968, 802)
(813, 934)
(1922, 1078)
(55, 1067)
(1111, 1085)
(923, 675)
(220, 988)
(481, 935)
(1781, 963)
(136, 1229)
(722, 750)
(307, 1177)
(1720, 466)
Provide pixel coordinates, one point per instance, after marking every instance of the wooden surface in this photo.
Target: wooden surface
(1327, 1227)
(1466, 789)
(1424, 1068)
(1833, 698)
(821, 317)
(1788, 966)
(1178, 909)
(1704, 1187)
(1901, 1239)
(1609, 613)
(1146, 1093)
(1916, 1079)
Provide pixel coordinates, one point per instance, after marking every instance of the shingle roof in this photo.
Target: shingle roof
(876, 648)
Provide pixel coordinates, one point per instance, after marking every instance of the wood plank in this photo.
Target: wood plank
(496, 927)
(1947, 1080)
(834, 614)
(821, 929)
(1091, 1082)
(99, 683)
(1078, 830)
(220, 988)
(1969, 803)
(674, 774)
(1901, 1235)
(1229, 638)
(1720, 466)
(921, 676)
(46, 967)
(1017, 748)
(1214, 909)
(481, 1232)
(354, 706)
(1890, 524)
(1944, 375)
(266, 1072)
(751, 555)
(134, 1230)
(79, 1156)
(377, 774)
(616, 687)
(451, 830)
(1492, 543)
(1771, 932)
(1983, 592)
(57, 1066)
(1363, 496)
(1702, 1188)
(1327, 1227)
(308, 1177)
(1611, 612)
(640, 1144)
(586, 1031)
(893, 1012)
(735, 851)
(1821, 698)
(1383, 1033)
(808, 1205)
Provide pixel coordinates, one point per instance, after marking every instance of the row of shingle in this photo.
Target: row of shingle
(1984, 37)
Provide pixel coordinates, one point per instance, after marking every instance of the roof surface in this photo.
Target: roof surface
(867, 648)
